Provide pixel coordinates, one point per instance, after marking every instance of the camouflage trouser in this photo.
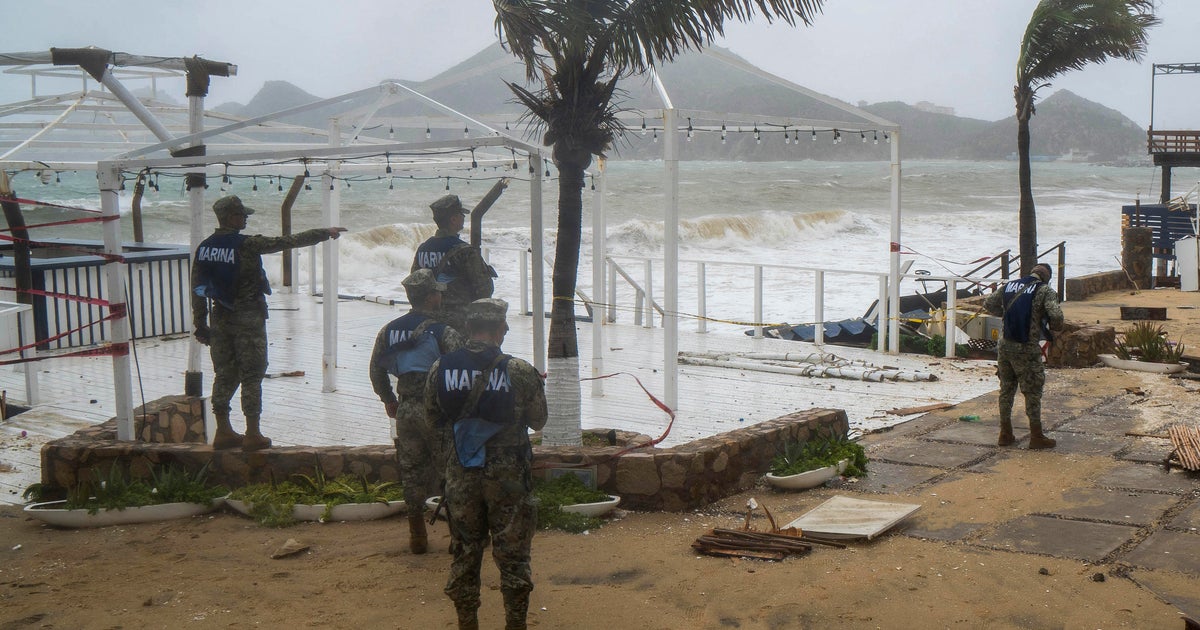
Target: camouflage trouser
(238, 347)
(418, 454)
(495, 500)
(1020, 364)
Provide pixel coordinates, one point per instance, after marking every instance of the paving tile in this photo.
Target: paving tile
(989, 465)
(1088, 443)
(1100, 423)
(885, 477)
(951, 533)
(1185, 596)
(1117, 506)
(1149, 450)
(981, 433)
(1058, 537)
(1188, 519)
(1147, 477)
(1170, 550)
(937, 454)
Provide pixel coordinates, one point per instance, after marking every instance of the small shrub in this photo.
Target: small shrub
(115, 490)
(271, 503)
(1144, 341)
(551, 495)
(798, 457)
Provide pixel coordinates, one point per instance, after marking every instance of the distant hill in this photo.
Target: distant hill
(1064, 124)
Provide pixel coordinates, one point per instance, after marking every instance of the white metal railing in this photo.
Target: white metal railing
(640, 289)
(16, 331)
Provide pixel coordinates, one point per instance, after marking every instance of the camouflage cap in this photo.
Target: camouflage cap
(487, 310)
(229, 206)
(1043, 271)
(423, 280)
(448, 204)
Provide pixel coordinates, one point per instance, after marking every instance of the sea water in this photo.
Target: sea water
(806, 214)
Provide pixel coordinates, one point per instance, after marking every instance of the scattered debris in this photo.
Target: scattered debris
(908, 411)
(1043, 571)
(1136, 391)
(289, 548)
(775, 544)
(1186, 441)
(283, 374)
(1097, 577)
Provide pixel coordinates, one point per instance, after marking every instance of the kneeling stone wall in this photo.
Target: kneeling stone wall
(678, 478)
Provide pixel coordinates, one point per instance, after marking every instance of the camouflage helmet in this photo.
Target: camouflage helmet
(487, 310)
(226, 207)
(447, 205)
(422, 281)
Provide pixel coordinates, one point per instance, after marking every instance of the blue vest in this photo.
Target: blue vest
(431, 253)
(412, 344)
(1018, 307)
(217, 260)
(457, 374)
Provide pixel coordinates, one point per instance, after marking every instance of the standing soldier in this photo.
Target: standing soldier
(456, 263)
(1030, 310)
(406, 348)
(488, 401)
(227, 272)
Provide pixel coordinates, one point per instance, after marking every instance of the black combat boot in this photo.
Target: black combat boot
(225, 436)
(254, 440)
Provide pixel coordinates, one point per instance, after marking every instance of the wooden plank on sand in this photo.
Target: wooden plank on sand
(905, 411)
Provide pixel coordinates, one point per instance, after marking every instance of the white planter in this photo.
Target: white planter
(343, 512)
(1111, 360)
(599, 508)
(804, 480)
(52, 512)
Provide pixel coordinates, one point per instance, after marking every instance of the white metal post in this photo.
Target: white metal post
(758, 301)
(524, 263)
(892, 307)
(26, 333)
(951, 320)
(598, 247)
(819, 308)
(612, 290)
(701, 299)
(881, 327)
(648, 283)
(110, 184)
(331, 212)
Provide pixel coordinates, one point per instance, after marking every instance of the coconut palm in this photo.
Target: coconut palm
(578, 50)
(1065, 35)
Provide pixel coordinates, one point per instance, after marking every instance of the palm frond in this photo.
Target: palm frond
(1066, 35)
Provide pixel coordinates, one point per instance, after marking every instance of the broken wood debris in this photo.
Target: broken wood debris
(1186, 441)
(776, 544)
(906, 411)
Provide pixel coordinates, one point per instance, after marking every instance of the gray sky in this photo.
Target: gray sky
(957, 53)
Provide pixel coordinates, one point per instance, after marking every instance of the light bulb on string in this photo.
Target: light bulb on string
(347, 184)
(254, 188)
(466, 132)
(428, 133)
(876, 133)
(757, 136)
(656, 135)
(388, 158)
(863, 136)
(786, 138)
(391, 132)
(279, 183)
(837, 136)
(722, 133)
(391, 183)
(306, 169)
(814, 134)
(689, 136)
(643, 126)
(547, 163)
(887, 138)
(307, 187)
(474, 164)
(447, 183)
(514, 159)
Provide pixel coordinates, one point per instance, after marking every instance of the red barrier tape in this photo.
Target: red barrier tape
(111, 316)
(62, 296)
(87, 252)
(47, 204)
(115, 350)
(633, 447)
(64, 222)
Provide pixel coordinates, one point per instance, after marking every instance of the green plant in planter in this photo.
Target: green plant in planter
(115, 490)
(271, 503)
(799, 457)
(1144, 341)
(550, 495)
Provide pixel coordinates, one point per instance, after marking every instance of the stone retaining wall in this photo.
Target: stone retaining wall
(678, 478)
(1078, 289)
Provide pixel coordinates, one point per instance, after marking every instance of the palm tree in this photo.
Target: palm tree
(1065, 35)
(578, 50)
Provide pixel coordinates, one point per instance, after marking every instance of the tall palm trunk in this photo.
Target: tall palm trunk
(563, 427)
(1027, 215)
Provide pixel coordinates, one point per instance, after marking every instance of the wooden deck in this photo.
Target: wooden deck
(77, 392)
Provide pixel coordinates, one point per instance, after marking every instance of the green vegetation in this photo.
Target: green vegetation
(936, 346)
(1144, 341)
(798, 457)
(551, 495)
(115, 490)
(271, 503)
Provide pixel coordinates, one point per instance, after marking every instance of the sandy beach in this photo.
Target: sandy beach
(973, 556)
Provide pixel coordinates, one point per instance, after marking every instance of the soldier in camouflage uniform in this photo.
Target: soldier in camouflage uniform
(488, 484)
(1030, 310)
(406, 348)
(456, 263)
(227, 273)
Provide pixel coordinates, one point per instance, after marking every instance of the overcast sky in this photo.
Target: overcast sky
(956, 53)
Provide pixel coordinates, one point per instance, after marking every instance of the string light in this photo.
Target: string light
(887, 138)
(863, 136)
(757, 137)
(689, 136)
(514, 159)
(656, 135)
(447, 183)
(306, 172)
(466, 133)
(814, 134)
(388, 157)
(722, 133)
(876, 136)
(547, 163)
(427, 131)
(643, 126)
(254, 188)
(474, 164)
(837, 136)
(786, 138)
(391, 132)
(391, 183)
(280, 184)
